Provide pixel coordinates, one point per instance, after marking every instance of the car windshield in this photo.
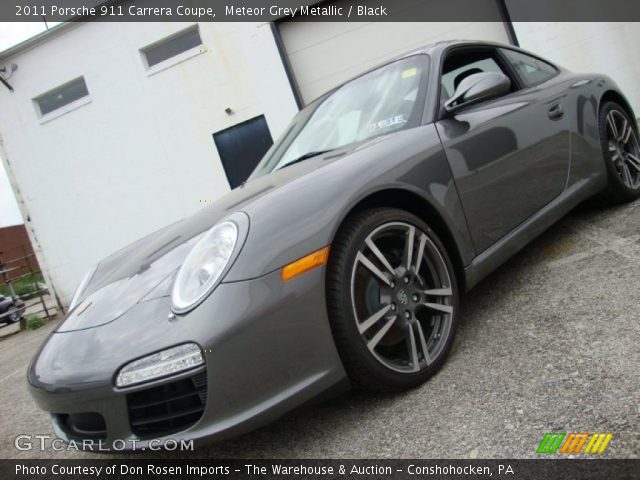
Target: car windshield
(382, 101)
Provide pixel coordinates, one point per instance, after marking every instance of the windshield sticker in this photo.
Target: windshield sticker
(389, 122)
(410, 72)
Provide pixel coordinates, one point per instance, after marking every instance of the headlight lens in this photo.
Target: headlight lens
(161, 364)
(204, 266)
(77, 296)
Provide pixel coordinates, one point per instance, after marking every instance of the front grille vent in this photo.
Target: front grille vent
(167, 408)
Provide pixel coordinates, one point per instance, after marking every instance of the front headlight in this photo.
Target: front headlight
(205, 265)
(158, 365)
(77, 296)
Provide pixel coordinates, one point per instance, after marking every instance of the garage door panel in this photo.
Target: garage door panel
(302, 35)
(325, 54)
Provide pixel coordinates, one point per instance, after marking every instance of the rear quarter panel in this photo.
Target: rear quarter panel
(584, 93)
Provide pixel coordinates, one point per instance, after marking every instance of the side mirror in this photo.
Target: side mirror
(478, 87)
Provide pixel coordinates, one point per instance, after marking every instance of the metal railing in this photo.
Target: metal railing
(35, 299)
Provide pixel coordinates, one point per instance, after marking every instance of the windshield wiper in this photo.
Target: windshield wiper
(304, 157)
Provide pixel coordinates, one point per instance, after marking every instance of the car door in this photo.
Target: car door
(509, 156)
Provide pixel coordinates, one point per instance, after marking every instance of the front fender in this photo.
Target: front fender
(305, 214)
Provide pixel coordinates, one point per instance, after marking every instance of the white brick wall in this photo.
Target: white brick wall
(608, 47)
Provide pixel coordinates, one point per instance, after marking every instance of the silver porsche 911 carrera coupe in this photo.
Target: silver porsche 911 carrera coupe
(341, 260)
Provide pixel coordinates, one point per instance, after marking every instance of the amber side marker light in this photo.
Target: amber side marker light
(304, 264)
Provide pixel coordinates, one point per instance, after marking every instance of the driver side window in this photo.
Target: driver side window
(459, 64)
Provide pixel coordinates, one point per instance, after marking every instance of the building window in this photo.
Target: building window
(172, 46)
(61, 96)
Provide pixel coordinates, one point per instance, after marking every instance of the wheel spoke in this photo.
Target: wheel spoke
(372, 268)
(423, 344)
(439, 292)
(376, 251)
(626, 174)
(626, 132)
(612, 125)
(423, 241)
(439, 307)
(633, 161)
(366, 325)
(381, 333)
(408, 246)
(413, 347)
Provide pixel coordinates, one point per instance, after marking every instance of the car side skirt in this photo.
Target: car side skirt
(518, 238)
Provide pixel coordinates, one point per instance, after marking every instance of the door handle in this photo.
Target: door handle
(556, 112)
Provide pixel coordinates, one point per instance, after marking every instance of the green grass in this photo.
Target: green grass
(34, 322)
(23, 286)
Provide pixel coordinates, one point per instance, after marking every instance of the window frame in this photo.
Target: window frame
(175, 59)
(500, 60)
(65, 108)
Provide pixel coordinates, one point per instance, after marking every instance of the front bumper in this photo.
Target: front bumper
(267, 345)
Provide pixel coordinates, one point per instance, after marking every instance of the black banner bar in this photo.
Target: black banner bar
(566, 469)
(309, 10)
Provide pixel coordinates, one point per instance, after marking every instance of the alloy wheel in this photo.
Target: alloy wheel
(624, 149)
(402, 297)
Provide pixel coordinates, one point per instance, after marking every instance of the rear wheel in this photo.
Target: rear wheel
(392, 299)
(619, 139)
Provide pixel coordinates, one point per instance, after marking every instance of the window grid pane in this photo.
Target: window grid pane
(62, 95)
(172, 46)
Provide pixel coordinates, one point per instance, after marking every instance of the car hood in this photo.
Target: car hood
(145, 269)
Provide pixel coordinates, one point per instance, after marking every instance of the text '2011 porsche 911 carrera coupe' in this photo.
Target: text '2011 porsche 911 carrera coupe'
(341, 260)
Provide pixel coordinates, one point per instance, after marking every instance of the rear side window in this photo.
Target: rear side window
(532, 70)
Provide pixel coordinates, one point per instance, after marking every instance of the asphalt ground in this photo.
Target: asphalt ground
(549, 342)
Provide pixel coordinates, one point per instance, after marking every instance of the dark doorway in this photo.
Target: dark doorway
(241, 147)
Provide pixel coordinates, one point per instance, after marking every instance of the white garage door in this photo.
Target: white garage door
(324, 54)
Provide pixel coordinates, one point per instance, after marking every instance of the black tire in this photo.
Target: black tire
(618, 189)
(366, 371)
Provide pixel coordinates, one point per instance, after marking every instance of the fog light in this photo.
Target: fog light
(161, 364)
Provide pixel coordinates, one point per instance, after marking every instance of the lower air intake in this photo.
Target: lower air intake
(168, 408)
(89, 425)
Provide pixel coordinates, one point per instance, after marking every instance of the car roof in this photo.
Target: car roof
(439, 47)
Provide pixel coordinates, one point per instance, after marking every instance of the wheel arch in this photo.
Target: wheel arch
(617, 97)
(423, 209)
